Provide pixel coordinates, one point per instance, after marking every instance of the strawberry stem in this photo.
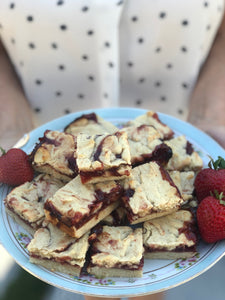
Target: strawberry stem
(218, 164)
(3, 151)
(220, 197)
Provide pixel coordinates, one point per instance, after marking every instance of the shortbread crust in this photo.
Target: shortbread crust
(103, 157)
(146, 145)
(57, 251)
(55, 154)
(184, 180)
(170, 237)
(184, 157)
(117, 251)
(25, 203)
(90, 124)
(150, 193)
(77, 207)
(152, 118)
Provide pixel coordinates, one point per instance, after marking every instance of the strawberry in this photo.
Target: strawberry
(15, 168)
(210, 179)
(211, 218)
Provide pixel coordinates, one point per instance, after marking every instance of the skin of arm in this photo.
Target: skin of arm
(207, 103)
(15, 112)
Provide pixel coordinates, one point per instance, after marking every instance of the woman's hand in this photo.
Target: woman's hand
(207, 103)
(216, 132)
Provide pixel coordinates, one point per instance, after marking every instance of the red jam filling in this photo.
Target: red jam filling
(77, 219)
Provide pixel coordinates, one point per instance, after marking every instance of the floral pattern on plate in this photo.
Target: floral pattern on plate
(158, 275)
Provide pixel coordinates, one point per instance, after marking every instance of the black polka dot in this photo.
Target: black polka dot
(54, 45)
(91, 77)
(158, 49)
(180, 111)
(107, 44)
(183, 49)
(21, 63)
(162, 15)
(134, 19)
(61, 67)
(163, 98)
(58, 93)
(84, 57)
(130, 64)
(138, 102)
(119, 2)
(13, 41)
(90, 32)
(140, 40)
(37, 109)
(111, 64)
(105, 95)
(141, 80)
(38, 81)
(31, 45)
(63, 27)
(169, 66)
(206, 4)
(12, 5)
(80, 96)
(185, 85)
(30, 18)
(85, 8)
(157, 83)
(185, 22)
(208, 27)
(67, 111)
(60, 2)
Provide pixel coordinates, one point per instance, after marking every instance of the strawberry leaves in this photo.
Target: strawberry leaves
(210, 191)
(218, 164)
(3, 151)
(210, 179)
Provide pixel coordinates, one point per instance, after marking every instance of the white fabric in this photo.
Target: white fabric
(74, 55)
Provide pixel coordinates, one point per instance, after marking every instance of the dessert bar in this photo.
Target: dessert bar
(57, 251)
(170, 237)
(152, 118)
(184, 157)
(25, 203)
(185, 182)
(77, 207)
(146, 145)
(117, 252)
(103, 157)
(55, 154)
(90, 124)
(150, 193)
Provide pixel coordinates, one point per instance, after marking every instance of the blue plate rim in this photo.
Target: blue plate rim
(198, 136)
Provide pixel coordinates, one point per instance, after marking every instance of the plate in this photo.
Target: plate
(158, 275)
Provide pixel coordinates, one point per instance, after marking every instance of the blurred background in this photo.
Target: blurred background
(17, 284)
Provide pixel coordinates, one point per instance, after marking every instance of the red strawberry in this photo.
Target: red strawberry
(15, 168)
(211, 219)
(210, 179)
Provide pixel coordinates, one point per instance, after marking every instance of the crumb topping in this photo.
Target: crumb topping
(152, 190)
(118, 245)
(52, 243)
(169, 232)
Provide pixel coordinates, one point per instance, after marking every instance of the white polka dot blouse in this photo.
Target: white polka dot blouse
(76, 55)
